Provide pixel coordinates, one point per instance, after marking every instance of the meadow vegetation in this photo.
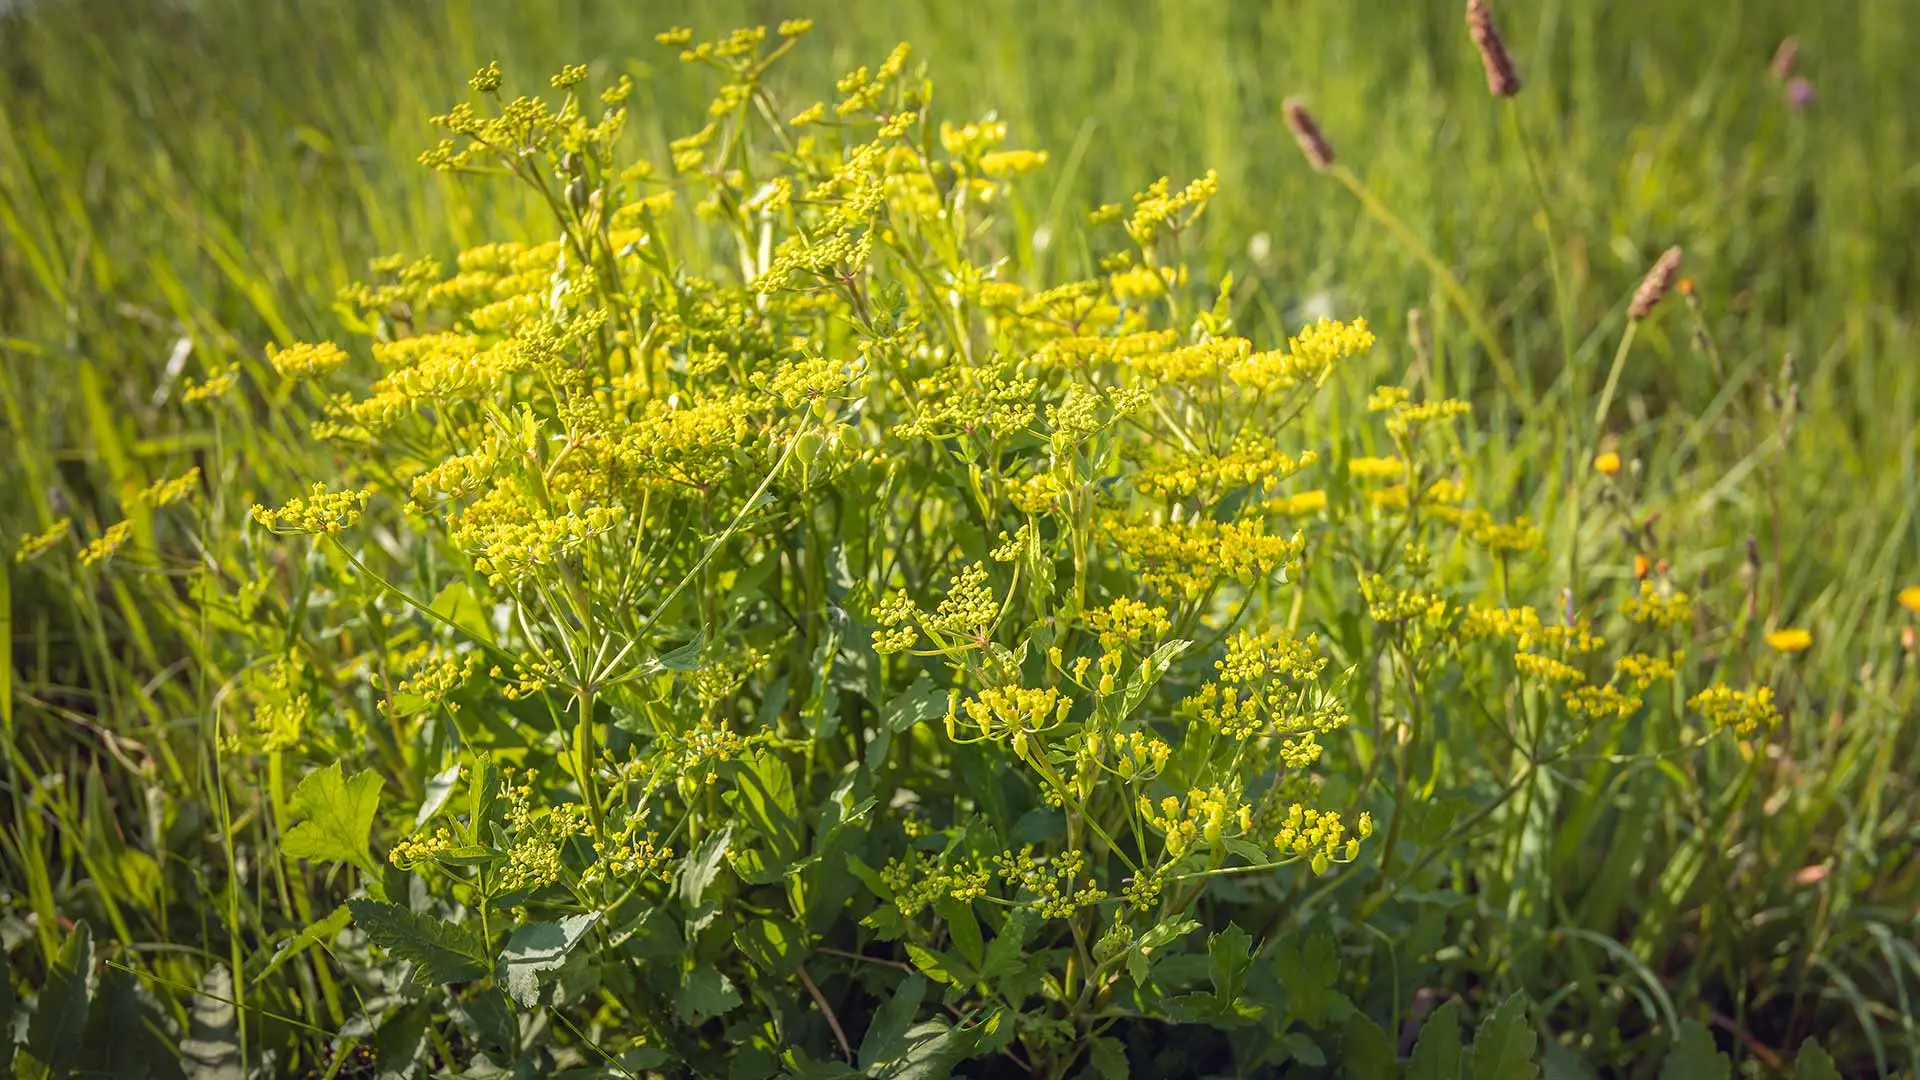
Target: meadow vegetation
(1290, 540)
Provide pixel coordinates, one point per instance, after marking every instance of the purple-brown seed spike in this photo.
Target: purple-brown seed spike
(1655, 286)
(1503, 79)
(1783, 59)
(1306, 132)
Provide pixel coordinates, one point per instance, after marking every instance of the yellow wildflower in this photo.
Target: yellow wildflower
(1607, 463)
(1790, 639)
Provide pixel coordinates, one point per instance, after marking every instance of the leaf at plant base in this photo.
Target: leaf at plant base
(775, 946)
(211, 1050)
(312, 934)
(1366, 1052)
(1108, 1058)
(1812, 1062)
(1503, 1047)
(439, 789)
(336, 815)
(538, 949)
(441, 951)
(702, 865)
(1695, 1057)
(886, 1037)
(54, 1035)
(704, 994)
(1436, 1056)
(120, 1040)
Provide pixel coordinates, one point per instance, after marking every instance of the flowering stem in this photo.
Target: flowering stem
(1502, 366)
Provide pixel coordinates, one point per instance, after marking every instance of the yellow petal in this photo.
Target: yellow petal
(1789, 640)
(1910, 598)
(1608, 463)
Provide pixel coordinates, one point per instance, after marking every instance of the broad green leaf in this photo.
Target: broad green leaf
(1695, 1057)
(59, 1021)
(537, 950)
(1366, 1052)
(1108, 1058)
(401, 1043)
(336, 815)
(441, 951)
(1307, 971)
(886, 1037)
(704, 994)
(702, 865)
(120, 1039)
(457, 604)
(763, 798)
(211, 1050)
(313, 934)
(917, 704)
(1812, 1063)
(1436, 1056)
(1503, 1047)
(964, 928)
(439, 789)
(775, 946)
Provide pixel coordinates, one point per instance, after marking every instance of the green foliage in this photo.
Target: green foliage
(807, 600)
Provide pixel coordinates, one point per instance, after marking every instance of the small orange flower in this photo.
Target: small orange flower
(1608, 463)
(1641, 566)
(1789, 640)
(1910, 598)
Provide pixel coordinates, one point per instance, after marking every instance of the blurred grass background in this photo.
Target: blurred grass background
(183, 182)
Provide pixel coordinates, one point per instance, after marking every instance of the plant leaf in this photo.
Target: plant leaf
(1812, 1062)
(1108, 1057)
(442, 952)
(211, 1050)
(439, 789)
(763, 797)
(886, 1037)
(702, 865)
(537, 949)
(705, 993)
(54, 1033)
(336, 814)
(1695, 1057)
(1365, 1051)
(1503, 1047)
(314, 933)
(1437, 1055)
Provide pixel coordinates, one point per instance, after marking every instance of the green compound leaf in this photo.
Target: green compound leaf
(442, 952)
(1503, 1048)
(336, 815)
(1695, 1057)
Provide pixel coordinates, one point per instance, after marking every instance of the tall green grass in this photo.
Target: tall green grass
(181, 184)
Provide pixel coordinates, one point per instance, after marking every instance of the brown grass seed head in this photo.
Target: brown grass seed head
(1306, 131)
(1503, 79)
(1655, 286)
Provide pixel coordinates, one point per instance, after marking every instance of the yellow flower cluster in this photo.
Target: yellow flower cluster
(918, 882)
(1742, 712)
(1009, 712)
(306, 360)
(1320, 836)
(1546, 669)
(1641, 670)
(1252, 462)
(318, 511)
(1187, 558)
(1203, 816)
(1376, 468)
(510, 539)
(1268, 685)
(1668, 609)
(166, 492)
(34, 545)
(1601, 703)
(107, 544)
(1127, 622)
(1160, 207)
(1052, 882)
(1308, 359)
(1187, 364)
(281, 705)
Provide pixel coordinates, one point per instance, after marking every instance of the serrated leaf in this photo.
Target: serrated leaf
(335, 817)
(886, 1037)
(763, 797)
(1108, 1058)
(211, 1050)
(684, 658)
(704, 994)
(1229, 955)
(1365, 1051)
(441, 952)
(1812, 1062)
(1695, 1057)
(964, 928)
(1436, 1056)
(1307, 970)
(313, 934)
(702, 865)
(1503, 1047)
(60, 1019)
(536, 950)
(775, 946)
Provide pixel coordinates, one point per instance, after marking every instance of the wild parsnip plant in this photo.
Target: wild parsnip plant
(779, 621)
